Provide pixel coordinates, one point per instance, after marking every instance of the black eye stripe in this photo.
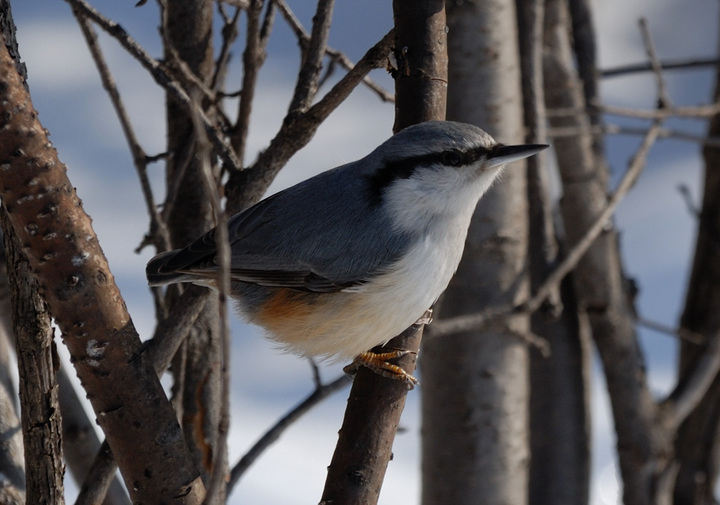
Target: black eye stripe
(405, 167)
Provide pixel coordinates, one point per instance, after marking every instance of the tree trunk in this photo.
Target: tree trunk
(559, 397)
(598, 279)
(475, 384)
(196, 369)
(698, 439)
(81, 294)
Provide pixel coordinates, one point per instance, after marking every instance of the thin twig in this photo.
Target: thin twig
(530, 305)
(662, 92)
(160, 75)
(690, 391)
(691, 111)
(682, 333)
(693, 209)
(337, 56)
(684, 64)
(306, 86)
(612, 129)
(159, 234)
(253, 58)
(284, 423)
(229, 34)
(297, 130)
(222, 259)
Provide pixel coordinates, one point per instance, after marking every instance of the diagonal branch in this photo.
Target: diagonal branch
(247, 186)
(161, 76)
(82, 296)
(481, 319)
(321, 392)
(337, 56)
(307, 84)
(158, 231)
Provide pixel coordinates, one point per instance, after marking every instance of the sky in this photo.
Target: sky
(657, 231)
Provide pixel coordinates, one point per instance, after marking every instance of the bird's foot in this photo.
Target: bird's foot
(380, 364)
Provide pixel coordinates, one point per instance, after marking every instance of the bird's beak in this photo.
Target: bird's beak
(501, 154)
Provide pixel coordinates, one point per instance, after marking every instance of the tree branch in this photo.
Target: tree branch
(248, 186)
(160, 75)
(321, 392)
(375, 404)
(336, 56)
(569, 262)
(159, 234)
(80, 291)
(307, 83)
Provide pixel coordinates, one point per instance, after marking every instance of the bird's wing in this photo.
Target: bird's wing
(296, 240)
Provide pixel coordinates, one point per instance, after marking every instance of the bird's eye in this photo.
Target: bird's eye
(452, 158)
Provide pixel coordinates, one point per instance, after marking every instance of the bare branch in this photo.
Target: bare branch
(158, 231)
(682, 333)
(82, 296)
(253, 58)
(216, 487)
(612, 129)
(306, 87)
(691, 391)
(662, 92)
(683, 64)
(336, 56)
(249, 185)
(169, 334)
(700, 112)
(229, 34)
(81, 445)
(321, 392)
(475, 321)
(161, 76)
(37, 361)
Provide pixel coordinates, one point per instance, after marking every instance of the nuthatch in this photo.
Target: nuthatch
(348, 259)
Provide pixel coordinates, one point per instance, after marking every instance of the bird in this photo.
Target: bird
(346, 260)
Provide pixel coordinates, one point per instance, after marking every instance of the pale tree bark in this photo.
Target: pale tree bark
(475, 384)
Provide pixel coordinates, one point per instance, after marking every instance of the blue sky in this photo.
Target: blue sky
(657, 232)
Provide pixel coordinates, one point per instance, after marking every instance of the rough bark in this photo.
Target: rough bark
(376, 403)
(12, 461)
(37, 363)
(75, 280)
(698, 440)
(598, 279)
(475, 384)
(559, 396)
(81, 443)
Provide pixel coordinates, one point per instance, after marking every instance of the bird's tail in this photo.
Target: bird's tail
(159, 275)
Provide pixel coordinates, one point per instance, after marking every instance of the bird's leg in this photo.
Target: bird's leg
(380, 364)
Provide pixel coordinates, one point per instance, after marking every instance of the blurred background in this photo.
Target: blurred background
(657, 229)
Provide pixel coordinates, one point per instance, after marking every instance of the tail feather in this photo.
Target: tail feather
(157, 273)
